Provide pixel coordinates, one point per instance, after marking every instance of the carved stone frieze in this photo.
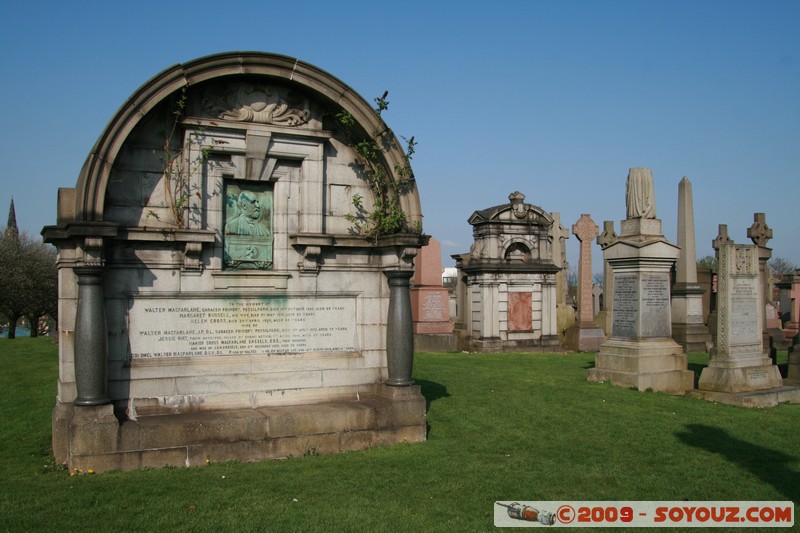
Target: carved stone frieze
(259, 103)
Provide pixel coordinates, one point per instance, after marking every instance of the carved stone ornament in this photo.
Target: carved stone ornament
(262, 104)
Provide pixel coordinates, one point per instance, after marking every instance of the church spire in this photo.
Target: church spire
(11, 227)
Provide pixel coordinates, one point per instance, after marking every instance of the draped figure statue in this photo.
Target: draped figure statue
(640, 197)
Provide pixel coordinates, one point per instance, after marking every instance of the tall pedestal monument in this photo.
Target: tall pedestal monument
(739, 372)
(688, 327)
(640, 351)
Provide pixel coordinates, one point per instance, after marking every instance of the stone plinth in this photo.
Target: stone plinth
(739, 364)
(655, 364)
(640, 351)
(94, 438)
(688, 328)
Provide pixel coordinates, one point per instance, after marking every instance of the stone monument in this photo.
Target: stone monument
(565, 314)
(719, 241)
(739, 364)
(789, 295)
(509, 279)
(688, 324)
(216, 301)
(760, 234)
(604, 240)
(641, 352)
(430, 309)
(585, 335)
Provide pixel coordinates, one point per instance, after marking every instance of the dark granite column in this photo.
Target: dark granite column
(399, 329)
(91, 339)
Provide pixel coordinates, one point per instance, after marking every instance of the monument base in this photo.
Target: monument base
(656, 364)
(545, 343)
(757, 399)
(585, 337)
(692, 337)
(688, 328)
(721, 378)
(435, 342)
(93, 438)
(793, 368)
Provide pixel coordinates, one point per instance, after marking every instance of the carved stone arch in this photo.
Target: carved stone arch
(517, 251)
(89, 193)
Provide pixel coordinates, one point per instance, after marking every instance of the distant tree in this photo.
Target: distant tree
(43, 295)
(572, 284)
(780, 266)
(708, 262)
(30, 279)
(597, 279)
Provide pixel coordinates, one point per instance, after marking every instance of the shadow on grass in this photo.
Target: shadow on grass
(770, 466)
(432, 391)
(697, 368)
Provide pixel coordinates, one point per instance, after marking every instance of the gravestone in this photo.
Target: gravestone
(508, 279)
(604, 240)
(688, 325)
(720, 240)
(739, 364)
(430, 309)
(760, 234)
(640, 352)
(565, 313)
(793, 366)
(789, 294)
(597, 298)
(585, 335)
(216, 300)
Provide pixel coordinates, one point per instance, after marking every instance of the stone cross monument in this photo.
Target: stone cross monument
(604, 240)
(688, 328)
(719, 241)
(760, 234)
(585, 335)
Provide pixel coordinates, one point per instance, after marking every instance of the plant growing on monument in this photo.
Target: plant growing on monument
(386, 216)
(177, 169)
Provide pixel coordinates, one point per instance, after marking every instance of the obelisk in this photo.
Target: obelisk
(688, 327)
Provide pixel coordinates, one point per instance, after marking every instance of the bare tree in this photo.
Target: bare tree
(781, 266)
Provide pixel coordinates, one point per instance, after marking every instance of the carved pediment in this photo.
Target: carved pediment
(514, 212)
(259, 103)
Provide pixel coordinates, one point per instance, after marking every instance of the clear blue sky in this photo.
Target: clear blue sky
(556, 99)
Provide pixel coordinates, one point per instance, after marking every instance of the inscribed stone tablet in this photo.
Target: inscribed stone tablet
(655, 305)
(197, 327)
(744, 310)
(626, 305)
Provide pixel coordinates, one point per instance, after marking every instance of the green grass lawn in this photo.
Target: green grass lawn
(501, 427)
